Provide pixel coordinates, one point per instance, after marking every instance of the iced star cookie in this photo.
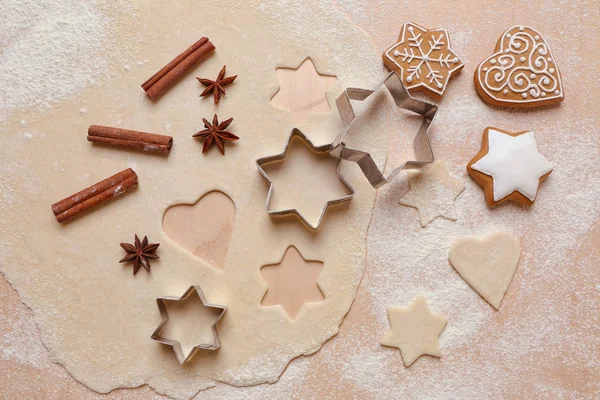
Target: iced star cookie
(424, 59)
(509, 167)
(522, 72)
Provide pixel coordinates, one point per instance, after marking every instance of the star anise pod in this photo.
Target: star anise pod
(216, 87)
(140, 253)
(215, 133)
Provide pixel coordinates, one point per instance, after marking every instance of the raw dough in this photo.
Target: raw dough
(433, 192)
(487, 264)
(414, 330)
(94, 316)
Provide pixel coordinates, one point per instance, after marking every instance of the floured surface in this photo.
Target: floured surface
(543, 341)
(547, 349)
(94, 317)
(433, 193)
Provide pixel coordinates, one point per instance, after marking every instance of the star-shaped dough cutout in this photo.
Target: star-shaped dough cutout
(414, 330)
(423, 58)
(292, 282)
(192, 305)
(302, 90)
(433, 192)
(307, 179)
(509, 166)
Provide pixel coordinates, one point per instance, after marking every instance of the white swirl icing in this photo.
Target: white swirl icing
(533, 77)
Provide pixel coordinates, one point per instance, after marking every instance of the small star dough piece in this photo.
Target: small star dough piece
(488, 264)
(433, 192)
(522, 71)
(509, 166)
(424, 59)
(414, 330)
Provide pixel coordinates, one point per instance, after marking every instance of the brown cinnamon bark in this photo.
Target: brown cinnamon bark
(95, 194)
(170, 73)
(134, 139)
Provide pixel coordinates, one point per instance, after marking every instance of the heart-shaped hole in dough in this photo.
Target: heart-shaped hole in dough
(204, 228)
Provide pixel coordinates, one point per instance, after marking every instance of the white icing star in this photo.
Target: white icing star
(514, 163)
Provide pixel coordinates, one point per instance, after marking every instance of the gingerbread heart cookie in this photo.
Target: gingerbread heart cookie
(509, 167)
(521, 73)
(423, 59)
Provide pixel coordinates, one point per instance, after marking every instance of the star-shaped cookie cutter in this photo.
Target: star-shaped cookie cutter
(181, 357)
(324, 149)
(403, 99)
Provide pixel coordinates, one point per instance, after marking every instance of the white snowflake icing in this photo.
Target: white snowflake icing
(437, 68)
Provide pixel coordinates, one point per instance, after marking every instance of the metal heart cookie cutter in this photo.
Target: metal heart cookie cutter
(177, 348)
(324, 149)
(403, 100)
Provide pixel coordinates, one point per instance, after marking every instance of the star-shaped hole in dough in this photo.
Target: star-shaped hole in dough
(302, 90)
(433, 192)
(423, 58)
(292, 282)
(189, 323)
(414, 330)
(509, 166)
(304, 181)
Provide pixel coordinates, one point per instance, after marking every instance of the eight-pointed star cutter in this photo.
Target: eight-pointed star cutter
(403, 99)
(181, 357)
(324, 149)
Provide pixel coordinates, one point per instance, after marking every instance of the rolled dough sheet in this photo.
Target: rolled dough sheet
(94, 316)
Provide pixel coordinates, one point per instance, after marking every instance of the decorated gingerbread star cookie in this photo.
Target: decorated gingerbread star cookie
(509, 167)
(423, 58)
(522, 72)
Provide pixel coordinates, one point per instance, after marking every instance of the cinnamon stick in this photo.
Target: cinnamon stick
(134, 139)
(170, 73)
(107, 189)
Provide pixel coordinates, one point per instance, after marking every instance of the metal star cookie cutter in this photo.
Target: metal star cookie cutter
(403, 99)
(181, 357)
(324, 149)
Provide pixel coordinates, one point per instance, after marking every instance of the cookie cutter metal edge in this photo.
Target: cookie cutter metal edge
(324, 149)
(160, 301)
(403, 99)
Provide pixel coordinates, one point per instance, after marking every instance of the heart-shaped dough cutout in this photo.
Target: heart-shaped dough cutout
(521, 73)
(487, 264)
(204, 228)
